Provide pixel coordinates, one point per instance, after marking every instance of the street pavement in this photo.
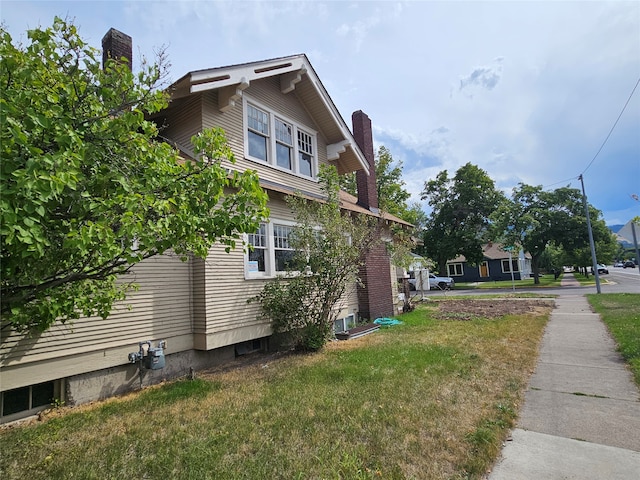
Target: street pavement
(581, 414)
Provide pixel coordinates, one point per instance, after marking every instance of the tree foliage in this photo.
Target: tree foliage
(330, 248)
(89, 189)
(392, 196)
(460, 218)
(536, 219)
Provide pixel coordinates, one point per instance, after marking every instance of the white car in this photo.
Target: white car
(435, 283)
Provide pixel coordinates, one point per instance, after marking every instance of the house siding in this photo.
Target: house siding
(159, 310)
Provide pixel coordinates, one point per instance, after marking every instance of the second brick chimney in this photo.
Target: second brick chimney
(375, 299)
(367, 189)
(117, 45)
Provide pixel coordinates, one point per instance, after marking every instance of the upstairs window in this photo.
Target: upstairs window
(279, 142)
(305, 153)
(258, 132)
(284, 144)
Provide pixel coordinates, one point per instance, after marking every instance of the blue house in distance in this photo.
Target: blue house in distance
(496, 266)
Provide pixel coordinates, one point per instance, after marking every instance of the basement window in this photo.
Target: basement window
(344, 324)
(22, 402)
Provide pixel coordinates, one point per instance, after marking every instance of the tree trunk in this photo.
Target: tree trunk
(535, 268)
(442, 268)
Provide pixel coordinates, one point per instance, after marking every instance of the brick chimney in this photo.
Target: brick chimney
(375, 299)
(367, 190)
(116, 45)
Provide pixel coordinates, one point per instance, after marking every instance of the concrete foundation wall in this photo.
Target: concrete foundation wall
(102, 384)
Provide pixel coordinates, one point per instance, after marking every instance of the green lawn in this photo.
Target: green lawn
(621, 313)
(429, 399)
(545, 281)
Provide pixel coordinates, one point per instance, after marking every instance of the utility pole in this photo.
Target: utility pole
(594, 265)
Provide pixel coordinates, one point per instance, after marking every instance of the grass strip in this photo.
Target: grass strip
(546, 281)
(621, 313)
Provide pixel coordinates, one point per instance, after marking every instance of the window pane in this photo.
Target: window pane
(257, 120)
(305, 164)
(257, 255)
(281, 236)
(259, 242)
(304, 142)
(283, 251)
(42, 394)
(257, 146)
(14, 401)
(259, 239)
(284, 260)
(350, 322)
(283, 156)
(283, 132)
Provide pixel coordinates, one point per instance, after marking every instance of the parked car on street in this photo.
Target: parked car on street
(629, 264)
(435, 283)
(618, 264)
(601, 269)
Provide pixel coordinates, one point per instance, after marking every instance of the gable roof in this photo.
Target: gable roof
(296, 75)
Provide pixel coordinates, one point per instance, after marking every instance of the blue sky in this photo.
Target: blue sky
(528, 91)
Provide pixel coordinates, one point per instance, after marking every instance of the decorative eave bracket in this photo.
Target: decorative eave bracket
(336, 149)
(288, 81)
(228, 96)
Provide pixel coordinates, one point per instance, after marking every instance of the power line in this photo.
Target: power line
(603, 143)
(612, 128)
(558, 183)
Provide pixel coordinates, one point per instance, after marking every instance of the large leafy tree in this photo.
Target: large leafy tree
(536, 218)
(89, 189)
(460, 218)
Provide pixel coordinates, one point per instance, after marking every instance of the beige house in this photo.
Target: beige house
(280, 121)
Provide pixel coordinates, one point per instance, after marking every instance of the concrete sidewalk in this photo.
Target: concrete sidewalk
(581, 415)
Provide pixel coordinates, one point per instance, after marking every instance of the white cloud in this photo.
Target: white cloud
(486, 77)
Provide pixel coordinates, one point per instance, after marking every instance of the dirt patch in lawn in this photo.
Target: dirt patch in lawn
(469, 309)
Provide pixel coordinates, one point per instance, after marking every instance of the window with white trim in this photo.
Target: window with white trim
(454, 269)
(279, 141)
(270, 251)
(514, 266)
(344, 324)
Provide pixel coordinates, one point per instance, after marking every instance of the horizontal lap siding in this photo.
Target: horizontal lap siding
(227, 290)
(159, 309)
(183, 121)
